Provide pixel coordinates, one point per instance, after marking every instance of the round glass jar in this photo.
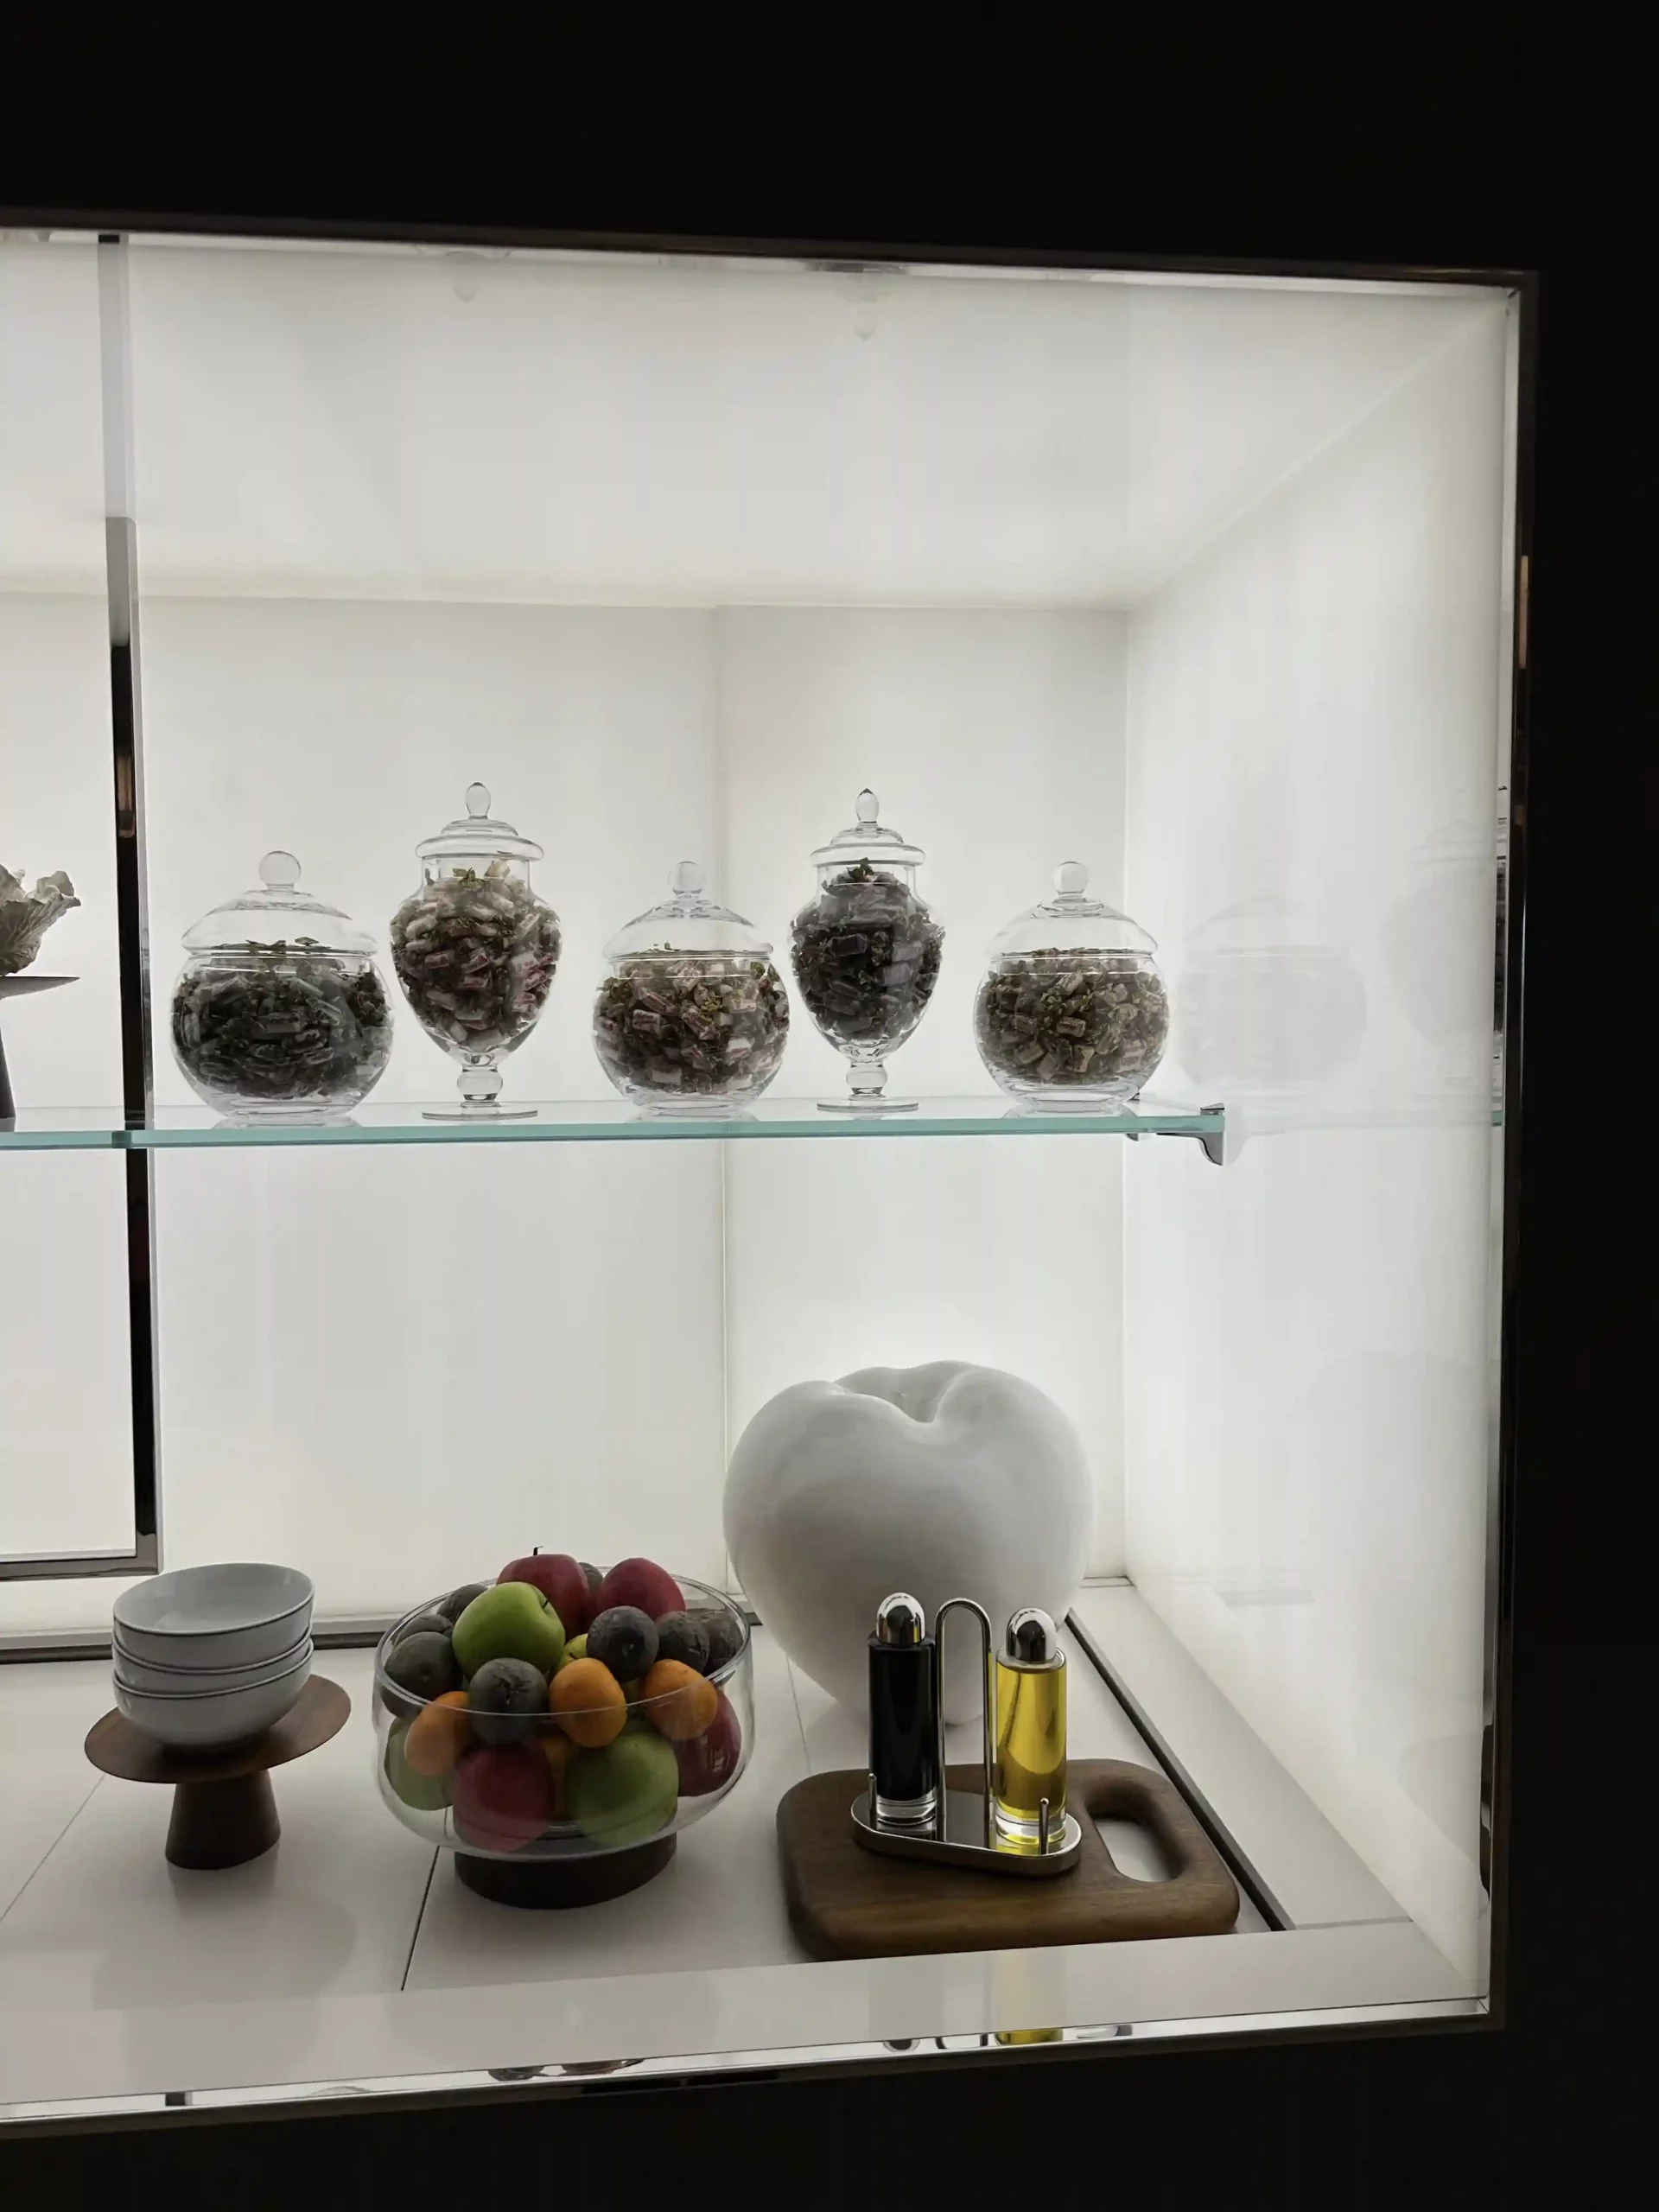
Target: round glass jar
(1073, 1010)
(693, 1017)
(281, 1012)
(476, 950)
(866, 953)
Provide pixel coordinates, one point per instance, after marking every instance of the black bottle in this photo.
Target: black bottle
(904, 1714)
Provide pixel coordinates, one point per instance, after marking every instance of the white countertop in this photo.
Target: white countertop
(122, 1976)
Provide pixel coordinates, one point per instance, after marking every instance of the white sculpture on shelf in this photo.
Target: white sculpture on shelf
(26, 915)
(945, 1480)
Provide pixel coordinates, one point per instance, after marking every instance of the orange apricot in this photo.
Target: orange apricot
(438, 1735)
(677, 1701)
(588, 1704)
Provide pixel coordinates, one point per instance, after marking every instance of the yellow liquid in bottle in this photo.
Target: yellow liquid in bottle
(1030, 1752)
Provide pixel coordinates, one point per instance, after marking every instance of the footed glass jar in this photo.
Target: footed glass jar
(476, 952)
(281, 1012)
(1073, 1011)
(866, 953)
(693, 1017)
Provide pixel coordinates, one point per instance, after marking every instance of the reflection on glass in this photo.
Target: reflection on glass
(1266, 1005)
(1437, 944)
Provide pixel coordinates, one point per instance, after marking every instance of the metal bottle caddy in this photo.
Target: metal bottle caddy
(962, 1832)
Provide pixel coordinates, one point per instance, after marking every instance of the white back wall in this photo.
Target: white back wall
(1313, 710)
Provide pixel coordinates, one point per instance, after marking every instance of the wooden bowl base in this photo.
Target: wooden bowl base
(553, 1884)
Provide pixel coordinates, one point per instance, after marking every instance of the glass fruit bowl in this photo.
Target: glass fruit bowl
(572, 1788)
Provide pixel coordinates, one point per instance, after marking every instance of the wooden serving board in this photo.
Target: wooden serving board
(847, 1903)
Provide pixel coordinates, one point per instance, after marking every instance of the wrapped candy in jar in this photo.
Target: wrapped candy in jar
(1073, 1009)
(476, 950)
(866, 953)
(693, 1017)
(281, 1014)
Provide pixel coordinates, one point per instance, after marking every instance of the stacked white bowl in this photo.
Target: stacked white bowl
(208, 1657)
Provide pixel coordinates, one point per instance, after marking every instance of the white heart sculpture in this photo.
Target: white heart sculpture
(945, 1480)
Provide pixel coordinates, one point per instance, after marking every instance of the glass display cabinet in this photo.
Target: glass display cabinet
(1191, 607)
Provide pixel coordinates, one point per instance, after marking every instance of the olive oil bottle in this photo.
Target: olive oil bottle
(1030, 1733)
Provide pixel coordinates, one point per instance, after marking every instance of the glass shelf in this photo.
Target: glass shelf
(601, 1120)
(65, 1129)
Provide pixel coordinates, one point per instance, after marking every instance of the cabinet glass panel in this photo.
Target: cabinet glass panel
(1204, 584)
(66, 1449)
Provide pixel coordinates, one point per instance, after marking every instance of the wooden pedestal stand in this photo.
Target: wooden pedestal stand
(224, 1810)
(20, 987)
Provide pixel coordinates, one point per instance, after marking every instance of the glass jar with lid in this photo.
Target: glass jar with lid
(866, 953)
(475, 950)
(1073, 1010)
(693, 1017)
(281, 1012)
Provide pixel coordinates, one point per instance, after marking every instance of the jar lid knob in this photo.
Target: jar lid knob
(478, 801)
(687, 879)
(1070, 879)
(869, 805)
(279, 871)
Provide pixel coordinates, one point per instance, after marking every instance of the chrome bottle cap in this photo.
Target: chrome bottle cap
(1031, 1640)
(900, 1619)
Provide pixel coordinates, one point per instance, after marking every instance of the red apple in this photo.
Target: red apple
(505, 1796)
(639, 1582)
(561, 1581)
(710, 1760)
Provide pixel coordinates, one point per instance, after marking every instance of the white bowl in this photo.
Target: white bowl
(217, 1720)
(195, 1681)
(235, 1615)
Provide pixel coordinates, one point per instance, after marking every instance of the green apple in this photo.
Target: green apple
(627, 1791)
(509, 1620)
(427, 1793)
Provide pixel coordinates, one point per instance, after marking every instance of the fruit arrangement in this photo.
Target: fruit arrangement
(559, 1710)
